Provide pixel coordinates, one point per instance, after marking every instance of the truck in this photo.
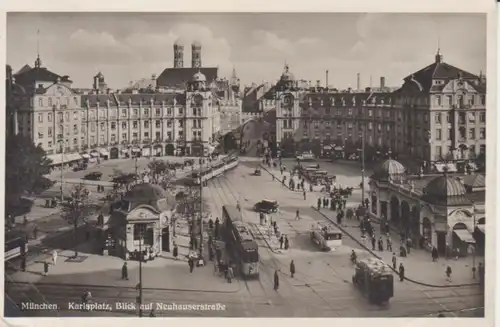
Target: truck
(374, 279)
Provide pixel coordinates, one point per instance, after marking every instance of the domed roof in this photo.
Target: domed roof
(196, 43)
(145, 193)
(445, 186)
(287, 75)
(199, 77)
(390, 167)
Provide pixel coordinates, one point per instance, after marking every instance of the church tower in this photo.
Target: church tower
(178, 54)
(196, 54)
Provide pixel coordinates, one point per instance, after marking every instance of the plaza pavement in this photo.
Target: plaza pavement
(418, 264)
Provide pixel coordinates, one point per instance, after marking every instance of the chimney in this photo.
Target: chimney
(382, 82)
(326, 81)
(358, 82)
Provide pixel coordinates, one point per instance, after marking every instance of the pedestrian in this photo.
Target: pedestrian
(54, 257)
(401, 272)
(373, 243)
(276, 280)
(434, 254)
(216, 267)
(230, 274)
(191, 264)
(389, 243)
(287, 243)
(281, 242)
(176, 252)
(45, 268)
(394, 261)
(125, 271)
(304, 194)
(319, 203)
(297, 215)
(448, 274)
(292, 269)
(35, 232)
(380, 244)
(409, 244)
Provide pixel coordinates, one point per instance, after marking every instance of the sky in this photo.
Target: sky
(127, 47)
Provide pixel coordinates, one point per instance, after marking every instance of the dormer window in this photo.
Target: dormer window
(438, 82)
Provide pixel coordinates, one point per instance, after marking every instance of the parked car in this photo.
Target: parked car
(94, 176)
(266, 206)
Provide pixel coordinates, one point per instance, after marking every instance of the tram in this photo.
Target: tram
(216, 169)
(15, 245)
(240, 242)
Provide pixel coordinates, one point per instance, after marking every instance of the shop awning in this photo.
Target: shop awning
(452, 168)
(464, 235)
(135, 150)
(327, 147)
(85, 155)
(339, 148)
(58, 159)
(124, 150)
(94, 153)
(104, 152)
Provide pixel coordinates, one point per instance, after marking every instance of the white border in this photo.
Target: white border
(449, 6)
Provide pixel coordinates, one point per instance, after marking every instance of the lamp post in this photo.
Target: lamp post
(141, 258)
(473, 232)
(362, 134)
(62, 168)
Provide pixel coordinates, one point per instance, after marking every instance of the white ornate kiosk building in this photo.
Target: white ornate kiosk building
(446, 211)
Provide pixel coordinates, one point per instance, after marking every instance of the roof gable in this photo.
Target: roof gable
(457, 85)
(58, 90)
(36, 74)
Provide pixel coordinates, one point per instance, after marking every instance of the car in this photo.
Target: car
(266, 206)
(94, 176)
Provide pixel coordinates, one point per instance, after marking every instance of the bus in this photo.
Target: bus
(240, 242)
(326, 236)
(15, 245)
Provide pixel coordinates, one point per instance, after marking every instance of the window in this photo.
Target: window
(370, 126)
(101, 139)
(49, 117)
(482, 117)
(482, 133)
(460, 101)
(50, 102)
(450, 134)
(103, 127)
(146, 135)
(135, 124)
(158, 123)
(448, 100)
(471, 100)
(194, 111)
(157, 111)
(472, 133)
(169, 136)
(316, 124)
(438, 100)
(158, 136)
(124, 113)
(75, 141)
(113, 125)
(169, 111)
(438, 134)
(124, 125)
(40, 118)
(169, 123)
(472, 117)
(462, 133)
(66, 116)
(134, 136)
(124, 136)
(379, 127)
(437, 118)
(40, 133)
(388, 128)
(181, 111)
(60, 117)
(146, 124)
(181, 134)
(92, 140)
(439, 151)
(75, 115)
(349, 111)
(49, 132)
(50, 144)
(370, 113)
(426, 118)
(146, 112)
(75, 99)
(349, 125)
(40, 102)
(75, 129)
(113, 138)
(194, 135)
(483, 100)
(181, 124)
(92, 127)
(136, 112)
(461, 118)
(448, 118)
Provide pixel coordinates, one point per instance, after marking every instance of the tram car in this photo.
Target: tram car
(374, 279)
(240, 242)
(214, 170)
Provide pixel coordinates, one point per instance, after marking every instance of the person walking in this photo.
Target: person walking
(125, 271)
(380, 244)
(176, 251)
(297, 215)
(389, 243)
(304, 194)
(394, 261)
(54, 257)
(401, 272)
(191, 264)
(373, 243)
(434, 254)
(287, 243)
(45, 268)
(409, 244)
(276, 280)
(230, 274)
(292, 269)
(448, 274)
(281, 242)
(319, 203)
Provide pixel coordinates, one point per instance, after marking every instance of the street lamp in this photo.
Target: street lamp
(141, 258)
(61, 141)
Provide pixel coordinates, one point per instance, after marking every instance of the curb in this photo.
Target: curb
(121, 287)
(378, 257)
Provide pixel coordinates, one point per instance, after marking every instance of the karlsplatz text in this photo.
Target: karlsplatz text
(94, 306)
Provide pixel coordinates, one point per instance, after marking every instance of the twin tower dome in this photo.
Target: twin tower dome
(179, 54)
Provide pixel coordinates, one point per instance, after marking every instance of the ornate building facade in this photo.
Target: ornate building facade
(438, 114)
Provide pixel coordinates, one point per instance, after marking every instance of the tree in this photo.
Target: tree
(25, 166)
(77, 210)
(161, 173)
